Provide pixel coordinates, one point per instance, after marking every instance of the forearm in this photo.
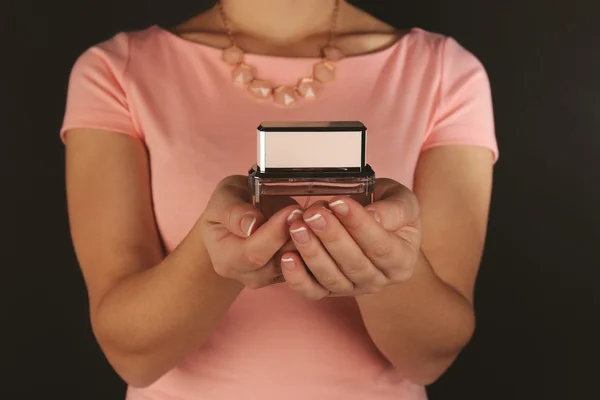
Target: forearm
(420, 325)
(152, 320)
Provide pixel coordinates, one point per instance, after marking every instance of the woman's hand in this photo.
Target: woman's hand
(355, 250)
(240, 243)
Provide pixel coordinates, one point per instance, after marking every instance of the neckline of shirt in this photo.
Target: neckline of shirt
(260, 58)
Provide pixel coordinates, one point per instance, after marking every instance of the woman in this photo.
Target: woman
(182, 271)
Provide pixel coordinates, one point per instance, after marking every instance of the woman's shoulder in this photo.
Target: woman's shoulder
(425, 47)
(123, 51)
(120, 45)
(426, 38)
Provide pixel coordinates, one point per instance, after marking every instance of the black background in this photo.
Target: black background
(538, 308)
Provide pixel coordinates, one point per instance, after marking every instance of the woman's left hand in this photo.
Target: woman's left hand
(353, 250)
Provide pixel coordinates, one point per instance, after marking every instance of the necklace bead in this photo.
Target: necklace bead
(242, 74)
(233, 55)
(260, 89)
(324, 72)
(332, 53)
(284, 96)
(307, 88)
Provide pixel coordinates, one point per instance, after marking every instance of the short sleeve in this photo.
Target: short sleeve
(463, 112)
(96, 95)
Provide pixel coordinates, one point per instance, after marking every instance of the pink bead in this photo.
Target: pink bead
(284, 96)
(324, 72)
(307, 88)
(233, 55)
(332, 53)
(260, 89)
(242, 75)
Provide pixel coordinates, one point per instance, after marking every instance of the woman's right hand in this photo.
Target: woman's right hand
(241, 245)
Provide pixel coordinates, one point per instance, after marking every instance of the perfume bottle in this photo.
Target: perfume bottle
(307, 162)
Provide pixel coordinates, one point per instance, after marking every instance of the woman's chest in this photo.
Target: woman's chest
(193, 144)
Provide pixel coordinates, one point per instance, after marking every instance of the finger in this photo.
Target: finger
(289, 246)
(317, 259)
(265, 276)
(397, 209)
(344, 250)
(265, 242)
(397, 219)
(395, 205)
(231, 206)
(299, 279)
(384, 249)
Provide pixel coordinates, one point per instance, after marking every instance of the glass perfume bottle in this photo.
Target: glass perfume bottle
(307, 162)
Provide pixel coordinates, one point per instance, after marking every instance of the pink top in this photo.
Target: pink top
(177, 96)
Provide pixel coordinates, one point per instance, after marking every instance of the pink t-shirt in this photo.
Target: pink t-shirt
(178, 97)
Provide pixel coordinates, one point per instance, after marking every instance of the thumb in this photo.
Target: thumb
(231, 206)
(395, 205)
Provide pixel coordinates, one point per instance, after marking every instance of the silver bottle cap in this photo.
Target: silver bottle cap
(312, 145)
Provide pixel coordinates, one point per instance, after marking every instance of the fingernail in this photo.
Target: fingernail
(300, 235)
(375, 215)
(288, 263)
(247, 224)
(340, 207)
(316, 221)
(294, 215)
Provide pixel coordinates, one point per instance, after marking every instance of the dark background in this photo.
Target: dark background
(538, 308)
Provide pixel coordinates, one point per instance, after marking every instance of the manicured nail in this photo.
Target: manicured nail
(288, 263)
(340, 207)
(294, 215)
(375, 215)
(301, 235)
(316, 221)
(247, 224)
